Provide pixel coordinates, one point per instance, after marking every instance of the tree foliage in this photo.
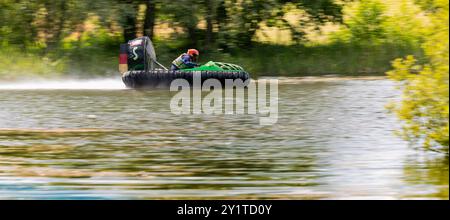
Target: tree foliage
(375, 22)
(425, 104)
(230, 22)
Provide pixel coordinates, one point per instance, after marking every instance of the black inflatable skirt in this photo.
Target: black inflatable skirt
(163, 78)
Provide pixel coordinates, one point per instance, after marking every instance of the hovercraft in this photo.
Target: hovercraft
(140, 69)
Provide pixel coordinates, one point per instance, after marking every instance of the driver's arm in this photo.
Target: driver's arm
(187, 61)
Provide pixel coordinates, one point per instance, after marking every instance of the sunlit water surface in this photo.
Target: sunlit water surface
(95, 139)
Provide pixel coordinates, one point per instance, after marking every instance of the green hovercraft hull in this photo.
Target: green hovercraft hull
(163, 78)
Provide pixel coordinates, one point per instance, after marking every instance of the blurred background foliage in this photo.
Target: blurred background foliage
(267, 37)
(425, 103)
(80, 38)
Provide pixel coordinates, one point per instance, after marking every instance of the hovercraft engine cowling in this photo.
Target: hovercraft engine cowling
(141, 54)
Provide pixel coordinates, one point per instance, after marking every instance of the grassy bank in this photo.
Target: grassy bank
(16, 64)
(261, 60)
(337, 59)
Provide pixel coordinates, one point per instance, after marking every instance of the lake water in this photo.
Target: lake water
(95, 139)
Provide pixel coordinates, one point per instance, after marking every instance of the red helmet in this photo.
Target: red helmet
(193, 52)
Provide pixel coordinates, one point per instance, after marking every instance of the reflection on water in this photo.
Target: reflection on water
(420, 171)
(333, 140)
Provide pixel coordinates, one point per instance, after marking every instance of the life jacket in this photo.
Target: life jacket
(178, 62)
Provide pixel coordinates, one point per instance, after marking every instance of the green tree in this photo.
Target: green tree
(239, 20)
(425, 105)
(367, 22)
(15, 20)
(150, 18)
